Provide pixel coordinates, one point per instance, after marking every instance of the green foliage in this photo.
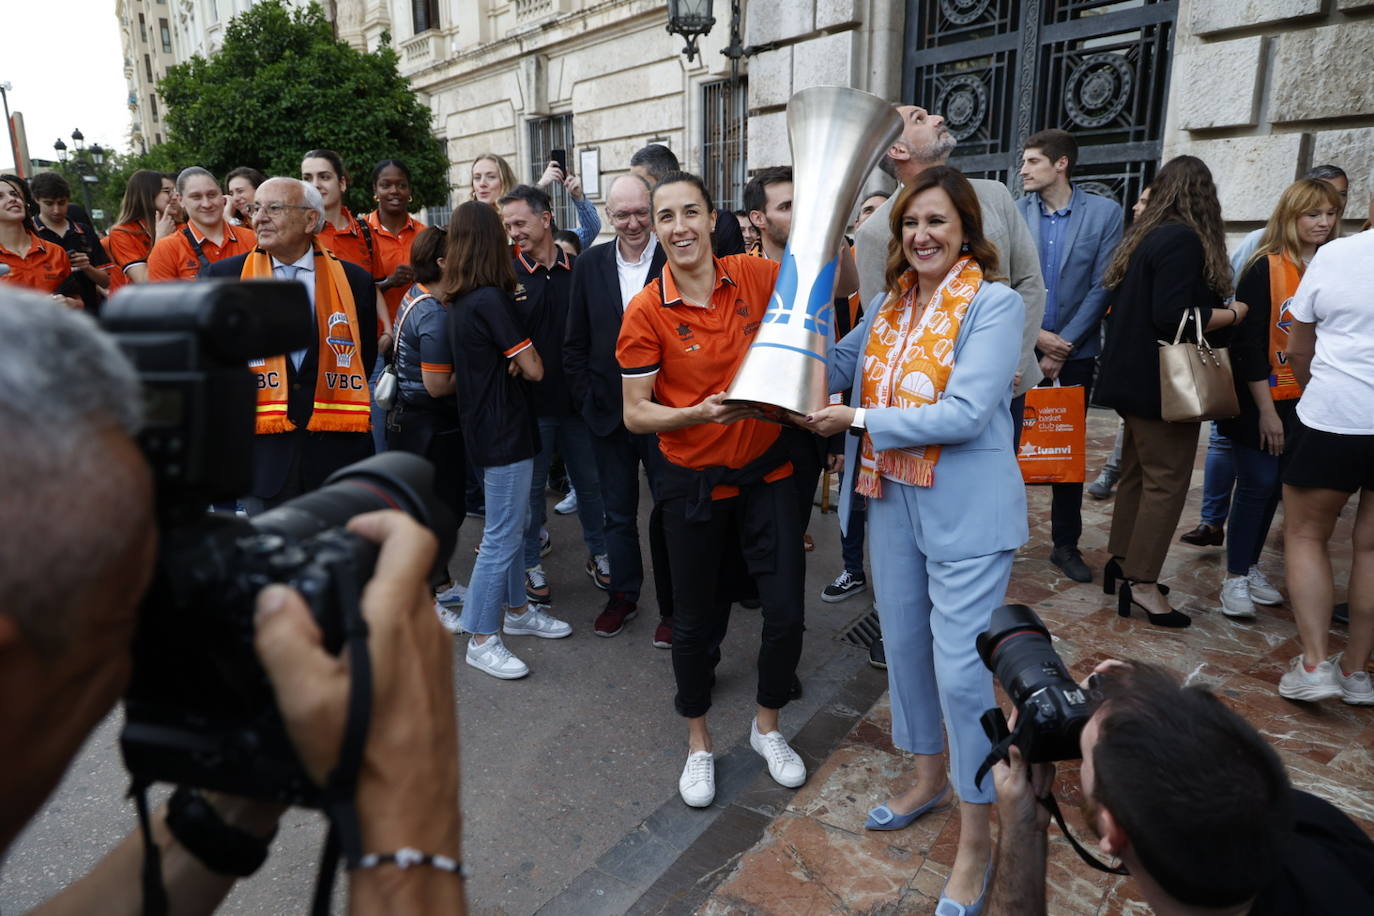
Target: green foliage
(281, 86)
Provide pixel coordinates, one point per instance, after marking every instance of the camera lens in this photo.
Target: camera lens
(1016, 648)
(391, 480)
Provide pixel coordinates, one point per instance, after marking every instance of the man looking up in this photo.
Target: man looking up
(207, 236)
(314, 406)
(924, 143)
(90, 263)
(605, 278)
(653, 162)
(1075, 232)
(544, 272)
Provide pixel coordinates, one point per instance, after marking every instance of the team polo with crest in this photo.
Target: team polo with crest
(541, 307)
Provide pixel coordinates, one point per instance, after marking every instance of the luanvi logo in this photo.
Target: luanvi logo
(1031, 450)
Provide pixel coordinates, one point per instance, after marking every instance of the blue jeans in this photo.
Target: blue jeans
(573, 440)
(378, 415)
(852, 543)
(1218, 477)
(618, 459)
(1257, 496)
(498, 576)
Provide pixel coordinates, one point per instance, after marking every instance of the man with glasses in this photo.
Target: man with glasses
(605, 278)
(314, 405)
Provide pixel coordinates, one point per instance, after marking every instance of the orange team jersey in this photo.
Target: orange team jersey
(43, 268)
(173, 258)
(352, 244)
(117, 277)
(128, 244)
(692, 353)
(392, 250)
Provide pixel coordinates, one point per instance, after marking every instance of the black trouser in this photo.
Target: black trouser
(1066, 501)
(706, 580)
(807, 452)
(618, 457)
(434, 435)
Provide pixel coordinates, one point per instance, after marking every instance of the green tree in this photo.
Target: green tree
(282, 85)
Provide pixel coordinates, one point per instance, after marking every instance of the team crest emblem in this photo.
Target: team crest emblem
(340, 340)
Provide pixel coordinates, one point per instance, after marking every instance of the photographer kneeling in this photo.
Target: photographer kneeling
(1196, 805)
(79, 541)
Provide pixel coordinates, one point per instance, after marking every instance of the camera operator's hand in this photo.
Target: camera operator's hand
(1018, 887)
(408, 786)
(1020, 786)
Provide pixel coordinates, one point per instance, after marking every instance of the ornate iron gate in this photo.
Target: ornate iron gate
(999, 70)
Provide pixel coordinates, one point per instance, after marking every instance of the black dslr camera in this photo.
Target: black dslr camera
(1052, 708)
(199, 708)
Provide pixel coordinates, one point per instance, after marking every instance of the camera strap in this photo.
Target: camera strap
(1052, 806)
(340, 806)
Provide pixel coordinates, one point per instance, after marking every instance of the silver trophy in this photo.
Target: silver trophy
(838, 135)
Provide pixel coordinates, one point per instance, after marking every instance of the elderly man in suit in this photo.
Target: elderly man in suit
(925, 143)
(314, 405)
(1074, 232)
(605, 278)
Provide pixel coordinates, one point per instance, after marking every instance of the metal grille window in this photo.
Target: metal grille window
(547, 134)
(425, 14)
(724, 116)
(439, 216)
(142, 29)
(152, 105)
(166, 31)
(148, 66)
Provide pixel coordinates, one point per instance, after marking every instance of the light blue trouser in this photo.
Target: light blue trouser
(498, 576)
(931, 615)
(570, 436)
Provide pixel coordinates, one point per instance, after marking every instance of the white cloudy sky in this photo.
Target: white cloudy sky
(64, 62)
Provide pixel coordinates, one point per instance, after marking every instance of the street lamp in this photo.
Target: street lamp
(691, 19)
(61, 150)
(78, 137)
(97, 154)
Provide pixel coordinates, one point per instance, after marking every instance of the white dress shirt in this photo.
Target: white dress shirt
(304, 275)
(633, 274)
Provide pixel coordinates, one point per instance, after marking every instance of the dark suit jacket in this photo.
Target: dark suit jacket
(317, 455)
(594, 314)
(727, 239)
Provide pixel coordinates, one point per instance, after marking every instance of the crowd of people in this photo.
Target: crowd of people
(516, 343)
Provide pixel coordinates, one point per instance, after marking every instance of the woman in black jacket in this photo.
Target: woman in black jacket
(1307, 215)
(1172, 259)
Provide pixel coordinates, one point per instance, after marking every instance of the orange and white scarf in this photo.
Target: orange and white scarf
(907, 364)
(1284, 277)
(343, 402)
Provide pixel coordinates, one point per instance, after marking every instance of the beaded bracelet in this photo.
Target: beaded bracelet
(407, 856)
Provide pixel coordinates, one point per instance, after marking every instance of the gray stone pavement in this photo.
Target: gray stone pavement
(559, 770)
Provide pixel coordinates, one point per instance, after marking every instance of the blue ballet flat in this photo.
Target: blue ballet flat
(947, 907)
(884, 818)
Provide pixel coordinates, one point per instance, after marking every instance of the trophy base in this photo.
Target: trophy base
(783, 416)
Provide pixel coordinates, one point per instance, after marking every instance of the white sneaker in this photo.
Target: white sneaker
(451, 618)
(1356, 688)
(1298, 683)
(784, 765)
(453, 596)
(1235, 598)
(1261, 592)
(536, 622)
(492, 657)
(697, 785)
(568, 504)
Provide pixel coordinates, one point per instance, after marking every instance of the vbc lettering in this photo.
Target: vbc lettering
(343, 380)
(269, 379)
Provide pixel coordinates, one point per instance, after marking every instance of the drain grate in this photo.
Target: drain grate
(863, 632)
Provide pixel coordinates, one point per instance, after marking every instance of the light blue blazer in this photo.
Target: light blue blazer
(1092, 233)
(977, 504)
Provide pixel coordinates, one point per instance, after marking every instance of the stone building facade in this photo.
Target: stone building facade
(1265, 89)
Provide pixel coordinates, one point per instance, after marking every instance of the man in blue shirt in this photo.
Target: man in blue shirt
(1075, 232)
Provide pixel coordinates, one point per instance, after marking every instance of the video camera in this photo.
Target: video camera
(199, 708)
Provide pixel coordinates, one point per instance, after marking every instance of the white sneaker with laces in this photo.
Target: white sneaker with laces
(784, 764)
(453, 596)
(568, 504)
(1356, 688)
(1235, 598)
(492, 657)
(1298, 683)
(451, 618)
(1261, 591)
(536, 622)
(537, 584)
(697, 785)
(599, 569)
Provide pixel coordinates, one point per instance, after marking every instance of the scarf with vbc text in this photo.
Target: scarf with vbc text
(342, 401)
(1284, 277)
(907, 363)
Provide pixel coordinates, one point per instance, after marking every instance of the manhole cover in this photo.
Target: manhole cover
(864, 631)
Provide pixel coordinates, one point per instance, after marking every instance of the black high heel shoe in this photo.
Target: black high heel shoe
(1174, 619)
(1112, 571)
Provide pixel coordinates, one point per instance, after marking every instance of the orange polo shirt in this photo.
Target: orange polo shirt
(353, 244)
(43, 268)
(173, 258)
(128, 244)
(693, 352)
(392, 250)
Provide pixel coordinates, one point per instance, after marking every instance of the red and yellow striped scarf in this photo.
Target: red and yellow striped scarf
(907, 363)
(343, 402)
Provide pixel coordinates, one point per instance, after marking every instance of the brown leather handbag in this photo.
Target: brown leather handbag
(1195, 381)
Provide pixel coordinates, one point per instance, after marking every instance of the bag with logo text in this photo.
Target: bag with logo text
(1053, 435)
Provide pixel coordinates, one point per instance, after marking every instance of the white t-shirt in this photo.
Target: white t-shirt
(1337, 294)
